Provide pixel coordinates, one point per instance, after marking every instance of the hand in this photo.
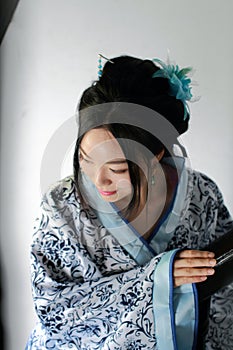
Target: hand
(192, 266)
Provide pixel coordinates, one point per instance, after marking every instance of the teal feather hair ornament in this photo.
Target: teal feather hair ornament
(180, 82)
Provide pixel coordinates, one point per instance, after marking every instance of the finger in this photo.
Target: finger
(194, 262)
(190, 272)
(194, 254)
(178, 281)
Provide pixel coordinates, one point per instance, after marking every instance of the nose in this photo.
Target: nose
(102, 177)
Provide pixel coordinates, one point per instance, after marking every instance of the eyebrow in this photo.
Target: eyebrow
(116, 161)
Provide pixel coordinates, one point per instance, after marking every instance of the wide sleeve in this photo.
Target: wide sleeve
(79, 306)
(220, 333)
(218, 218)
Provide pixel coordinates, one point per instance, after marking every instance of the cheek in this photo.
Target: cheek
(88, 169)
(124, 185)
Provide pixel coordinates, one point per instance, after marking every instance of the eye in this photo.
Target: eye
(119, 171)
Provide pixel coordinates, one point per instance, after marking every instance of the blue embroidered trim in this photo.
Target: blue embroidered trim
(175, 310)
(163, 302)
(171, 306)
(195, 293)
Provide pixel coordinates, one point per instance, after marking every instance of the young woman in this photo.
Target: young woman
(117, 252)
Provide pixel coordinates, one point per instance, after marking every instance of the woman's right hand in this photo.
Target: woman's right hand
(192, 266)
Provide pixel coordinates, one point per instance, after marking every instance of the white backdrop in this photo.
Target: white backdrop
(49, 55)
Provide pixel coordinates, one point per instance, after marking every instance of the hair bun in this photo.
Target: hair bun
(133, 80)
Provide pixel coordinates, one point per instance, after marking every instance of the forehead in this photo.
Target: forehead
(101, 142)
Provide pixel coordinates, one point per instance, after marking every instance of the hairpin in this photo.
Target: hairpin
(100, 64)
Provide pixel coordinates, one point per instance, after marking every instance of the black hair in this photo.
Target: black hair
(129, 79)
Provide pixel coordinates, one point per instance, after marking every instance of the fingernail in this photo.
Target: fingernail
(210, 271)
(203, 278)
(212, 262)
(211, 255)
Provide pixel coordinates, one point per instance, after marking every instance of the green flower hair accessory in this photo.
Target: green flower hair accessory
(180, 83)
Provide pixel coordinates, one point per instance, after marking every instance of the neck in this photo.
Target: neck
(155, 200)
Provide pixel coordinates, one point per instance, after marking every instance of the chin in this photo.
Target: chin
(122, 201)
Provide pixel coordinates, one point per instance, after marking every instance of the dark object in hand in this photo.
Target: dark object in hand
(223, 249)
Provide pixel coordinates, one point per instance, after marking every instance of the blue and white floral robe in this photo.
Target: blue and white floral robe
(96, 288)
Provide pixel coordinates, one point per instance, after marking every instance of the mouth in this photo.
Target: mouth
(107, 193)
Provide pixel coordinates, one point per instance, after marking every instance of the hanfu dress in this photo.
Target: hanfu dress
(98, 284)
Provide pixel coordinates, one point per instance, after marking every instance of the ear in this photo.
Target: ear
(160, 155)
(156, 159)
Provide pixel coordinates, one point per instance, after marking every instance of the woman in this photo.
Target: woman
(117, 252)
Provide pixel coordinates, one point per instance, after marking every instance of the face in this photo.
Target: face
(102, 160)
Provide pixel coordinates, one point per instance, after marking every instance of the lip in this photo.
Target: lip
(106, 193)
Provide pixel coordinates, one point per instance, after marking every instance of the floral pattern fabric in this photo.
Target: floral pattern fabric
(89, 293)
